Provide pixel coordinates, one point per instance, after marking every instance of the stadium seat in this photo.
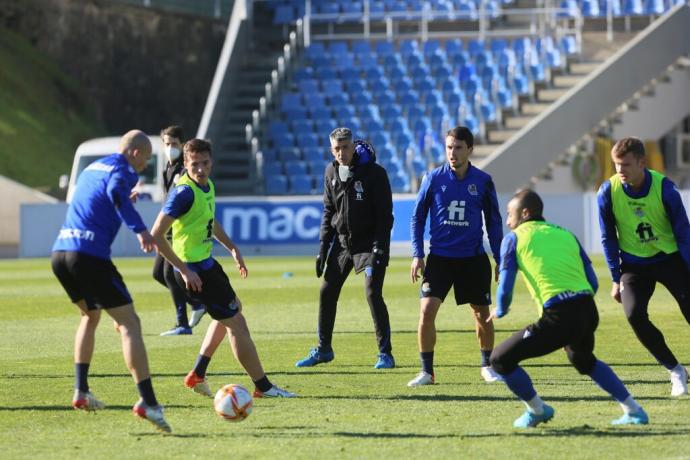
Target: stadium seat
(294, 168)
(284, 14)
(289, 154)
(276, 185)
(272, 168)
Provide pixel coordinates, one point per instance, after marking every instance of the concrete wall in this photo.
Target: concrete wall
(140, 67)
(17, 195)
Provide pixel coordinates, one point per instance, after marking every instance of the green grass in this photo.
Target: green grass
(43, 115)
(347, 409)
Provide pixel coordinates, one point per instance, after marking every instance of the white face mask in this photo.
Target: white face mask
(172, 153)
(343, 172)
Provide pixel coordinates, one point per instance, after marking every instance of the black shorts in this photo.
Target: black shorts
(88, 278)
(216, 292)
(469, 276)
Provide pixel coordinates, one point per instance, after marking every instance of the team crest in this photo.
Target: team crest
(472, 189)
(639, 212)
(359, 189)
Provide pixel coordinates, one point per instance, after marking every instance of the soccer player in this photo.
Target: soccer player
(81, 262)
(646, 239)
(163, 272)
(355, 233)
(190, 211)
(455, 196)
(560, 278)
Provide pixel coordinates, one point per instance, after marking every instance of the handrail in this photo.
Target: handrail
(239, 13)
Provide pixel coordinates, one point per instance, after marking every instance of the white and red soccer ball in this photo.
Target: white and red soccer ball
(233, 402)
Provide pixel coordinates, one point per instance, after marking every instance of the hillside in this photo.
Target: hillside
(43, 116)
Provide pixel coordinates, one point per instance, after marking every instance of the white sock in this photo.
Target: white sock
(535, 405)
(630, 406)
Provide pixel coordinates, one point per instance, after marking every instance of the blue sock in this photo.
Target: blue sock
(181, 311)
(145, 388)
(263, 384)
(427, 358)
(520, 384)
(604, 376)
(485, 357)
(81, 374)
(201, 365)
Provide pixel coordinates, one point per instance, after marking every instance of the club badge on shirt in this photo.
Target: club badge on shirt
(360, 190)
(472, 189)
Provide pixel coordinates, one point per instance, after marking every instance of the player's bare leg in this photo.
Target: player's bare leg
(84, 344)
(485, 337)
(133, 347)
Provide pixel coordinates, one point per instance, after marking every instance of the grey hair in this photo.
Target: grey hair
(341, 134)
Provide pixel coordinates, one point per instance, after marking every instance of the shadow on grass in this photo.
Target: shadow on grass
(66, 408)
(348, 434)
(590, 431)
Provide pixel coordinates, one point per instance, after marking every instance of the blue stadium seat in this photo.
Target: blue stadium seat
(321, 113)
(305, 140)
(400, 184)
(654, 7)
(327, 73)
(363, 98)
(453, 46)
(318, 167)
(314, 50)
(288, 154)
(300, 184)
(314, 99)
(312, 154)
(384, 49)
(338, 100)
(284, 14)
(273, 168)
(325, 126)
(276, 185)
(361, 47)
(293, 168)
(338, 48)
(302, 126)
(303, 73)
(633, 8)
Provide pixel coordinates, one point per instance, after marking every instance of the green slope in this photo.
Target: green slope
(43, 115)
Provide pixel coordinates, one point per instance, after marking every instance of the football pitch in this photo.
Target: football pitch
(346, 409)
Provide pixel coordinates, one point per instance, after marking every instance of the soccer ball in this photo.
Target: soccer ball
(233, 402)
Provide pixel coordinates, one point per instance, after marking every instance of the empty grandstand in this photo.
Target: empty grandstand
(400, 73)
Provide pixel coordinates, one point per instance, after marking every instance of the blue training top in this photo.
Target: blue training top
(100, 203)
(673, 204)
(456, 207)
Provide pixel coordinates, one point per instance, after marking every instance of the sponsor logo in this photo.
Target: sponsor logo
(76, 233)
(456, 214)
(426, 288)
(443, 188)
(278, 224)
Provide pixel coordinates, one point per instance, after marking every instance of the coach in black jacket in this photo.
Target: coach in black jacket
(355, 233)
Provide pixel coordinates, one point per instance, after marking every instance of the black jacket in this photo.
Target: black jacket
(359, 212)
(171, 173)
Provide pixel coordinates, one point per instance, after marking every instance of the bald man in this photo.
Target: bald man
(81, 262)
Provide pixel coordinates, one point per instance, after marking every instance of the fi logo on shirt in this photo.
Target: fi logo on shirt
(456, 214)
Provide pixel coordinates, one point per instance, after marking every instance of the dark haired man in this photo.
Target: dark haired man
(455, 196)
(646, 239)
(190, 211)
(355, 233)
(163, 272)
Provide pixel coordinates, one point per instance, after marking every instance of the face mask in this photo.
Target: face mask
(173, 153)
(343, 172)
